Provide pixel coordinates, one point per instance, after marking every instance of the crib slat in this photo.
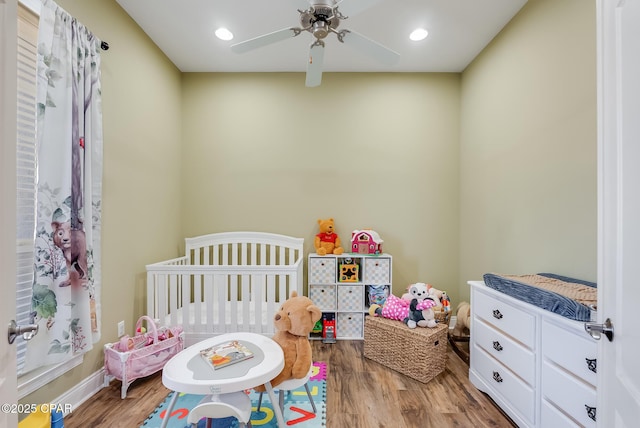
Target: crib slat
(185, 294)
(216, 255)
(220, 286)
(263, 255)
(253, 254)
(173, 299)
(245, 301)
(162, 301)
(271, 300)
(208, 299)
(233, 299)
(225, 254)
(257, 291)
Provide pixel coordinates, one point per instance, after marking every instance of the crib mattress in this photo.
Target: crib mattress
(569, 297)
(263, 317)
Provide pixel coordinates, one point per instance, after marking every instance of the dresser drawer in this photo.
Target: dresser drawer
(552, 417)
(323, 296)
(513, 321)
(377, 270)
(513, 355)
(322, 270)
(350, 297)
(568, 393)
(505, 383)
(573, 351)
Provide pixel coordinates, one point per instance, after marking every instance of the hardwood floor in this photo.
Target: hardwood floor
(360, 394)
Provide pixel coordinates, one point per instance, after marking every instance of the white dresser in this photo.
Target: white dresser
(539, 367)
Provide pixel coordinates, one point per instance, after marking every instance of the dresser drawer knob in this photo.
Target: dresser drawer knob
(497, 314)
(591, 412)
(592, 364)
(497, 377)
(497, 346)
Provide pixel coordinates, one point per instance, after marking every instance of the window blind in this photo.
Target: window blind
(25, 170)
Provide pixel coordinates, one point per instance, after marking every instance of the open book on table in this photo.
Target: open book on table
(225, 354)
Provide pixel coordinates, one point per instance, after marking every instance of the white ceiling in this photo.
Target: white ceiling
(458, 31)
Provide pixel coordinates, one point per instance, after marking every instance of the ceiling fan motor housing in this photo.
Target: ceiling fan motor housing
(319, 20)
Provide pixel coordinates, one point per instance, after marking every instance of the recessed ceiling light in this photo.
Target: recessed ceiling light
(224, 34)
(419, 34)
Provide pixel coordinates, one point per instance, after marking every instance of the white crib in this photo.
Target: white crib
(226, 282)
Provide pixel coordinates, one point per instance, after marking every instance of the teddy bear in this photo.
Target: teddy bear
(463, 320)
(293, 322)
(327, 241)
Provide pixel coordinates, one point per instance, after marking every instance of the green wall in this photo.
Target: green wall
(493, 169)
(528, 193)
(380, 151)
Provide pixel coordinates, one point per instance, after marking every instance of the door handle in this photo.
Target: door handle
(27, 331)
(597, 330)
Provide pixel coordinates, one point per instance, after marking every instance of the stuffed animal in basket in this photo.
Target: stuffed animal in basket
(463, 320)
(327, 241)
(414, 308)
(423, 299)
(293, 322)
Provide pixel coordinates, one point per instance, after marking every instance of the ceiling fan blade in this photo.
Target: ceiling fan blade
(370, 47)
(353, 7)
(264, 40)
(314, 67)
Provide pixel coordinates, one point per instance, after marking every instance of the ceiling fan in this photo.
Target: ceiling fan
(322, 18)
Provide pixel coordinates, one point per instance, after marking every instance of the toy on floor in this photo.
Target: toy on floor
(293, 322)
(327, 241)
(328, 328)
(463, 320)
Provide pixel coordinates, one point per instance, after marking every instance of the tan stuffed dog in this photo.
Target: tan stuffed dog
(463, 320)
(293, 322)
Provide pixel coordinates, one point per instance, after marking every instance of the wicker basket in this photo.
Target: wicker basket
(420, 353)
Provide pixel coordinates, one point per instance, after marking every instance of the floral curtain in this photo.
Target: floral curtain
(66, 287)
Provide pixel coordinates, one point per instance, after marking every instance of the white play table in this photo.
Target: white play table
(187, 372)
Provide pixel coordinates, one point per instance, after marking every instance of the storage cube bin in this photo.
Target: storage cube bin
(377, 270)
(349, 325)
(322, 270)
(323, 296)
(350, 298)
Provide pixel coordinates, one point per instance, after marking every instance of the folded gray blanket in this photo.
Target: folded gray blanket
(572, 298)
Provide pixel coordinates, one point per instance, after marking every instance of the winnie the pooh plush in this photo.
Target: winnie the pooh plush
(293, 322)
(327, 241)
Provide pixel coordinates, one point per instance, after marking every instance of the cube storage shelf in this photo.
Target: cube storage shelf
(340, 285)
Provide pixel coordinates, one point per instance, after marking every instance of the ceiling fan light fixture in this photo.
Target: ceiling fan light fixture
(418, 34)
(320, 29)
(224, 34)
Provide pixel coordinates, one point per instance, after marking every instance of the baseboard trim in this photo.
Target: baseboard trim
(83, 391)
